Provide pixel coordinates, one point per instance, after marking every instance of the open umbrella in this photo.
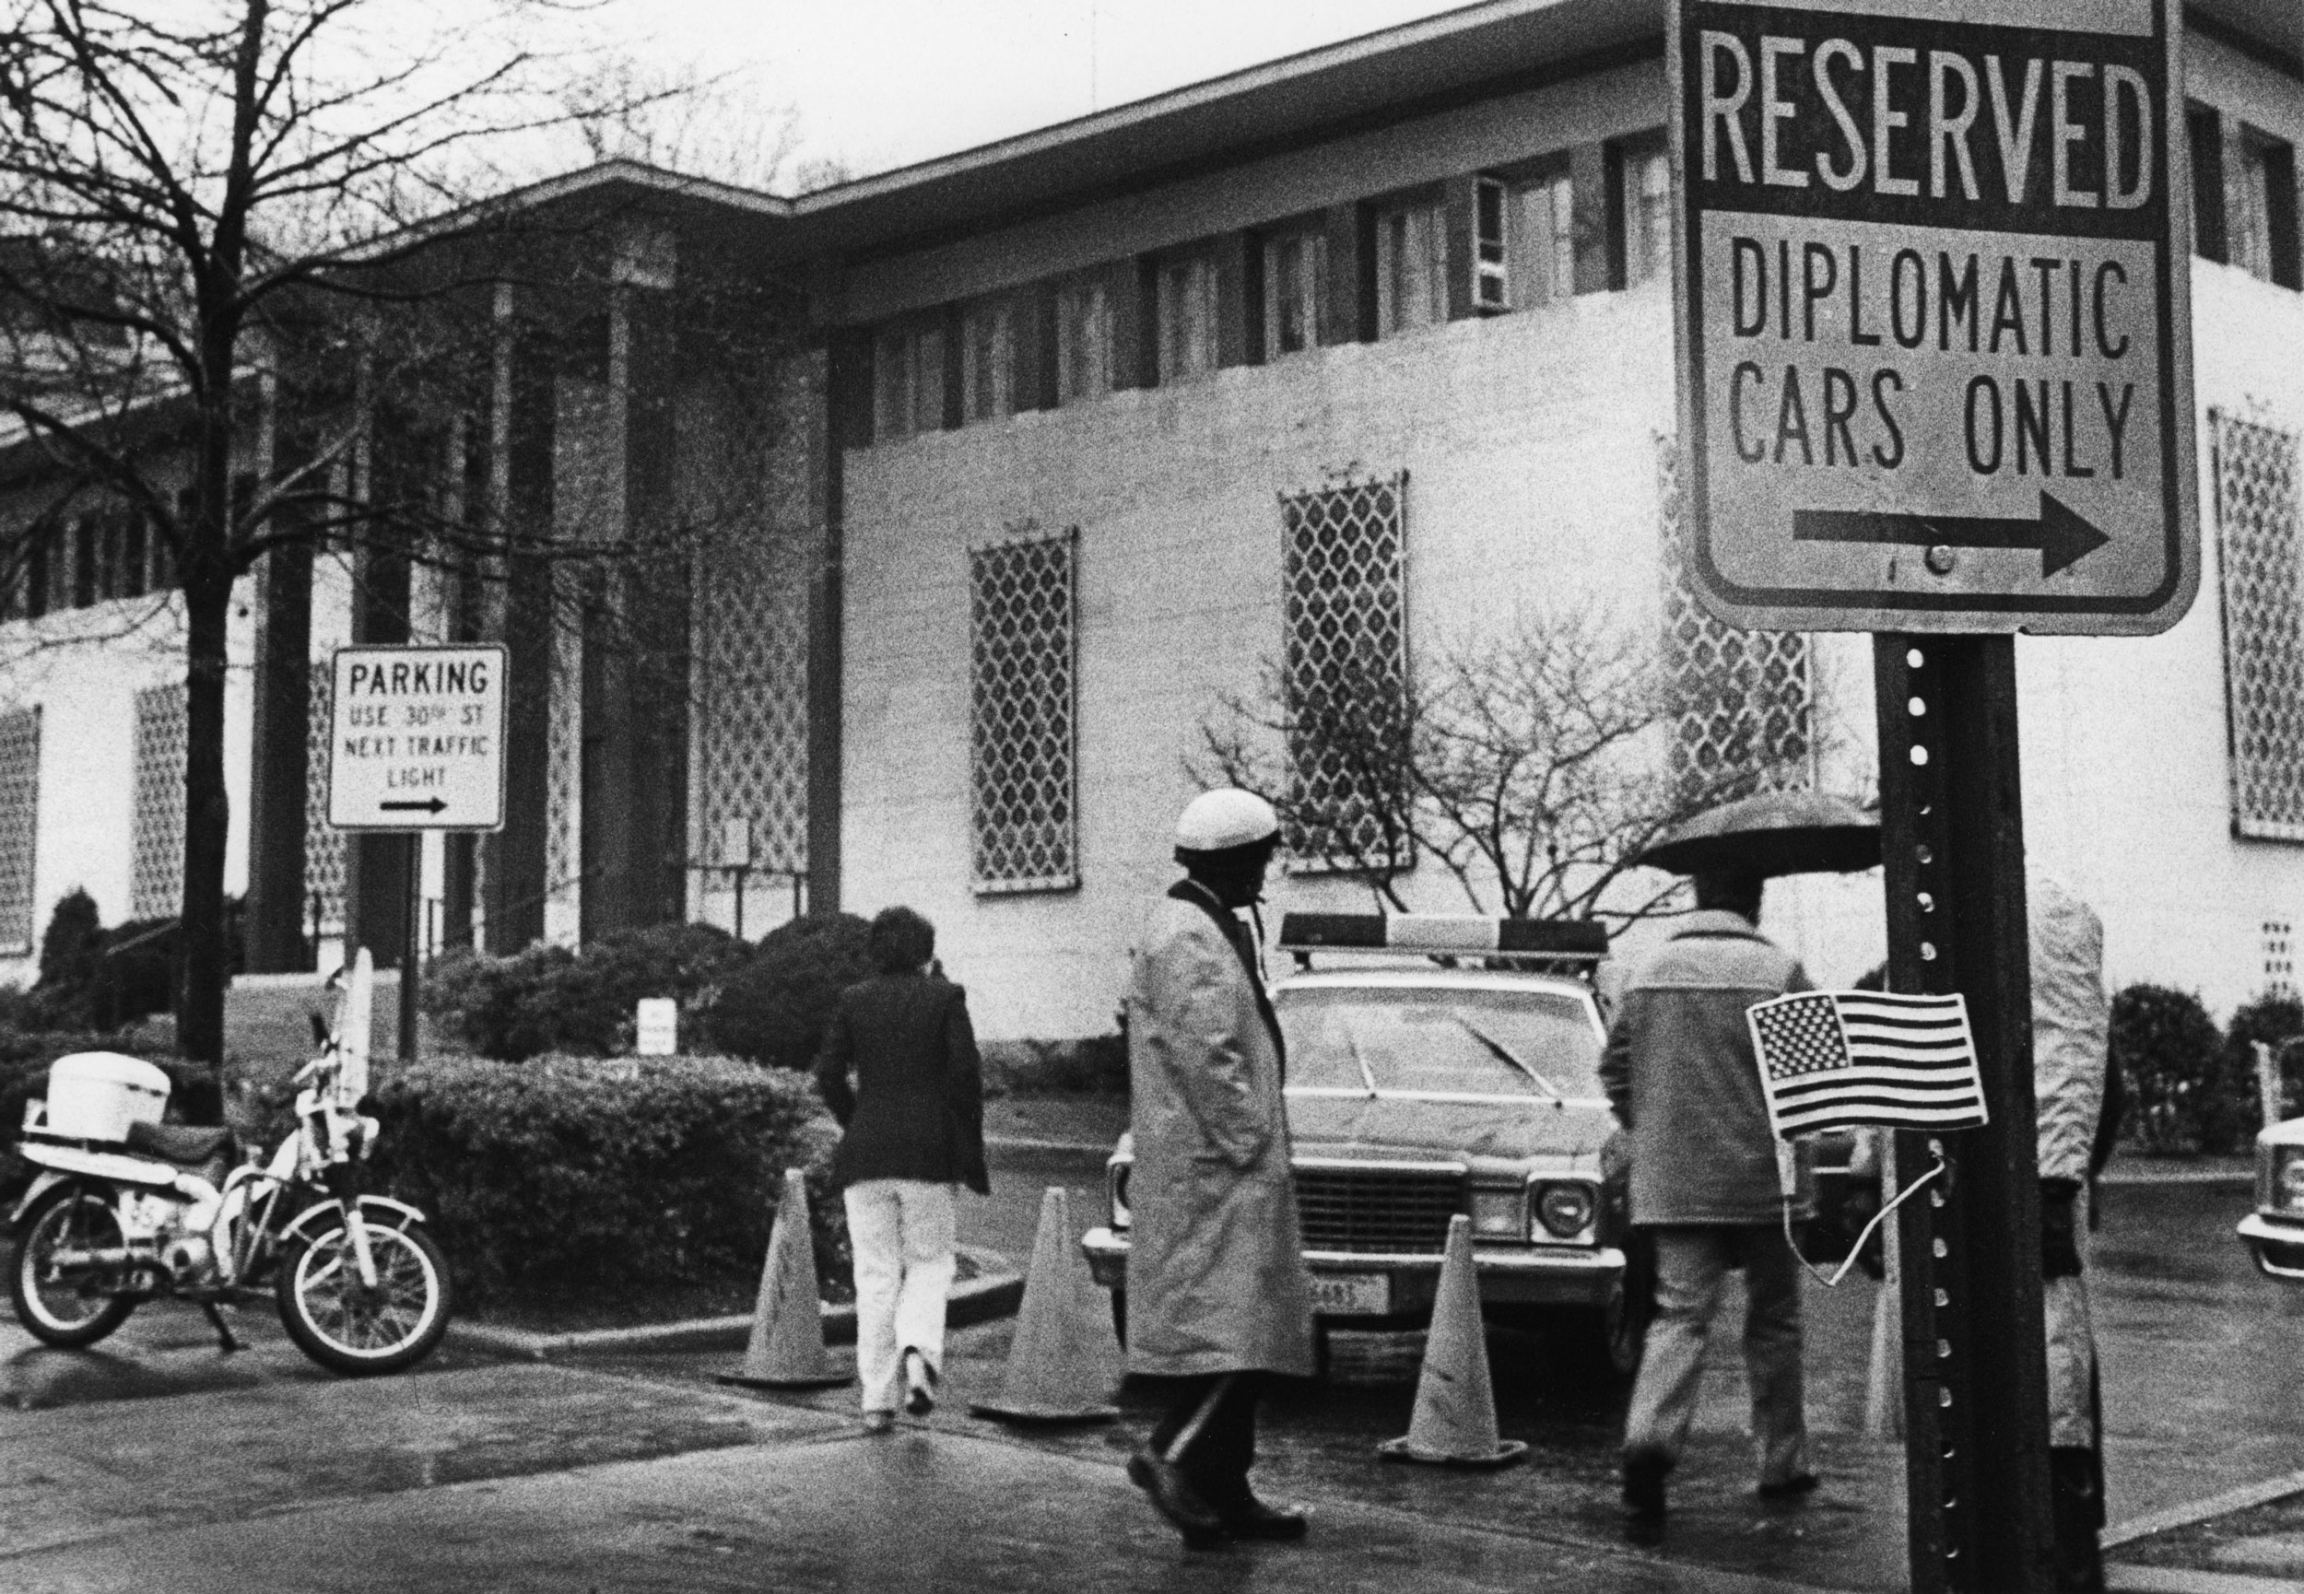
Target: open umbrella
(1774, 833)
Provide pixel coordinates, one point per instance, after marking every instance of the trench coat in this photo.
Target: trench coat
(1216, 1275)
(2071, 1056)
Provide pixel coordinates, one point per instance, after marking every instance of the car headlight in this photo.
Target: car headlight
(1565, 1210)
(1116, 1192)
(2288, 1179)
(1500, 1214)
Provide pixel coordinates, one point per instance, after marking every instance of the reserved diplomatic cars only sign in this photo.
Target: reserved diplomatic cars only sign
(1932, 260)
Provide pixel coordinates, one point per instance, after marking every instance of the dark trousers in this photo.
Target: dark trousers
(1209, 1434)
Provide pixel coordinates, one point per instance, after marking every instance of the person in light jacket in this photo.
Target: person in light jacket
(2071, 1053)
(1681, 1074)
(914, 1122)
(1219, 1298)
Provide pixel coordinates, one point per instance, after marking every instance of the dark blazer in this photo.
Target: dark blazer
(916, 1109)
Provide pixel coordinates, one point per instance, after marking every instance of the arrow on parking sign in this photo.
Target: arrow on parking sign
(430, 805)
(2063, 537)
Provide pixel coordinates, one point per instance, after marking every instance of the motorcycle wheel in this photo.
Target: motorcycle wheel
(57, 1311)
(350, 1329)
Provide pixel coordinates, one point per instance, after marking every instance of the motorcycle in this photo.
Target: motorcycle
(124, 1209)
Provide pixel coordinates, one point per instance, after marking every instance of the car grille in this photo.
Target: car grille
(1377, 1209)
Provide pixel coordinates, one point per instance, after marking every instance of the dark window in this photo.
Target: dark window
(135, 555)
(87, 538)
(2205, 129)
(2262, 229)
(36, 573)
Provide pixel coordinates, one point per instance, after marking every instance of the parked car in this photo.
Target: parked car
(2274, 1232)
(1440, 1064)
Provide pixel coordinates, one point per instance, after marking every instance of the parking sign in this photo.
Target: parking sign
(416, 738)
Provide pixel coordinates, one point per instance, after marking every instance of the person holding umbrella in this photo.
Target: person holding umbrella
(1681, 1075)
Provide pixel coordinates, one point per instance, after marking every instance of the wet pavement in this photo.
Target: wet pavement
(155, 1464)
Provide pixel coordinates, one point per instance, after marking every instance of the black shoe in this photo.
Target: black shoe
(1177, 1500)
(920, 1384)
(1792, 1488)
(1644, 1474)
(1256, 1520)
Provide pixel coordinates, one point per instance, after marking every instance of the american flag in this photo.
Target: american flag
(1830, 1058)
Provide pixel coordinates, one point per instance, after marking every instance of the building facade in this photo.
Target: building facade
(1061, 445)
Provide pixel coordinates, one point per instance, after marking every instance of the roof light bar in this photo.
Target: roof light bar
(1462, 934)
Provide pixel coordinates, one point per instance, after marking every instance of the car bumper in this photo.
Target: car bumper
(2277, 1245)
(1520, 1276)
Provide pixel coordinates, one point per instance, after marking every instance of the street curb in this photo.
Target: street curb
(996, 1291)
(2246, 1497)
(1026, 1143)
(2232, 1179)
(2119, 1579)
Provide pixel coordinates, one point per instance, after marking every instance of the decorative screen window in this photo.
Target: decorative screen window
(1187, 318)
(1295, 269)
(1544, 241)
(1083, 341)
(156, 824)
(907, 381)
(1345, 674)
(1024, 696)
(1742, 703)
(19, 825)
(323, 913)
(1411, 267)
(988, 360)
(2279, 958)
(1647, 215)
(752, 708)
(2256, 515)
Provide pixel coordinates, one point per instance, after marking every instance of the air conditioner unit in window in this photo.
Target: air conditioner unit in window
(1491, 281)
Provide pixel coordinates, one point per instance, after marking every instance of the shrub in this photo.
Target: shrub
(550, 999)
(773, 1007)
(606, 1180)
(71, 957)
(1097, 1066)
(2276, 1021)
(2171, 1056)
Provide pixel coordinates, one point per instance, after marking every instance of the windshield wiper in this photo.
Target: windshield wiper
(1510, 1057)
(1352, 1045)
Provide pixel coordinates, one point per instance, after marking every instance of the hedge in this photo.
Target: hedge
(552, 999)
(604, 1180)
(773, 1007)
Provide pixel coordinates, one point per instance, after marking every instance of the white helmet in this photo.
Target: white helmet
(1221, 820)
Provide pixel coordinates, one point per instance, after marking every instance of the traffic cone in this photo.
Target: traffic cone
(1455, 1421)
(787, 1345)
(1062, 1362)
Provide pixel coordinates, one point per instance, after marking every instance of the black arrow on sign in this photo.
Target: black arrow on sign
(430, 805)
(2063, 537)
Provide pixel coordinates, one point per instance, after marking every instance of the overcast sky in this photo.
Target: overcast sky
(883, 83)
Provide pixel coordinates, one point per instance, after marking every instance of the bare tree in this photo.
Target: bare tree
(1528, 764)
(216, 220)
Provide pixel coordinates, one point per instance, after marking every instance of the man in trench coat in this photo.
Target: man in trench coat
(1218, 1296)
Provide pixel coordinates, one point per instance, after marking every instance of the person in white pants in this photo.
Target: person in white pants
(900, 1072)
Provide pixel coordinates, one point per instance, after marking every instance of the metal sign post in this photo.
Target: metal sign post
(416, 743)
(1932, 265)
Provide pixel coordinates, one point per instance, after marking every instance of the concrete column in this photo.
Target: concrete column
(522, 415)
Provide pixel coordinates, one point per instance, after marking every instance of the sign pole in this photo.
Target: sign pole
(412, 947)
(1976, 1402)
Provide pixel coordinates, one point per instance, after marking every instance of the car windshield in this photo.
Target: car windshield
(1441, 1040)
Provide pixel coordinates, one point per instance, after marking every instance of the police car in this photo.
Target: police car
(1440, 1064)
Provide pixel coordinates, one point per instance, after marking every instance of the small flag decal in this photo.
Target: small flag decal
(1834, 1058)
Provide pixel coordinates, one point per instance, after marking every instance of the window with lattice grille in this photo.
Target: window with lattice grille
(156, 825)
(2256, 515)
(1741, 703)
(1025, 697)
(19, 825)
(1345, 674)
(323, 842)
(753, 705)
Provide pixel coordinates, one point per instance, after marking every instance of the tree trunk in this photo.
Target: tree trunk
(207, 826)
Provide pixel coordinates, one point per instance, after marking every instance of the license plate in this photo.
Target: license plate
(1351, 1294)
